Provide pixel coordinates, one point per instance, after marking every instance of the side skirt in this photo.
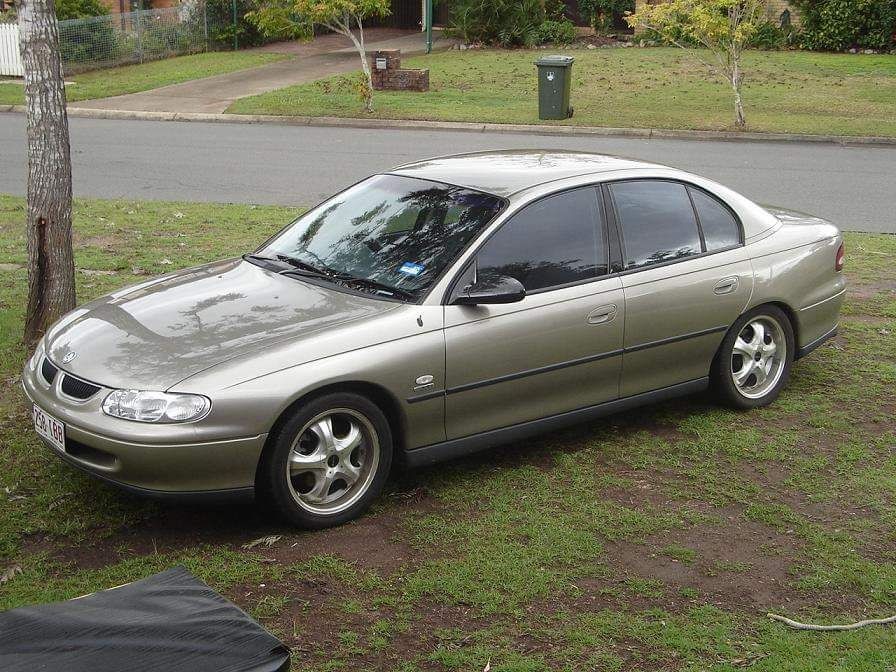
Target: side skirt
(448, 450)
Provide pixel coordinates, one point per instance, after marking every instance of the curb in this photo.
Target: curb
(473, 127)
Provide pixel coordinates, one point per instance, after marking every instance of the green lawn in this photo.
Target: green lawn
(133, 78)
(651, 540)
(793, 92)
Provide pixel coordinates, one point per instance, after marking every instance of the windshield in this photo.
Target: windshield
(394, 232)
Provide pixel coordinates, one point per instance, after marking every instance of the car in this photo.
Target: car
(440, 308)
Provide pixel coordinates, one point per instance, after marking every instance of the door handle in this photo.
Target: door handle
(725, 286)
(602, 315)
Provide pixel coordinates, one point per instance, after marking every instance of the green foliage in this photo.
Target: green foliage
(769, 35)
(835, 25)
(604, 15)
(79, 9)
(89, 40)
(556, 32)
(506, 23)
(221, 26)
(289, 19)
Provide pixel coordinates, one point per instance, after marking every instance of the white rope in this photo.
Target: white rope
(829, 628)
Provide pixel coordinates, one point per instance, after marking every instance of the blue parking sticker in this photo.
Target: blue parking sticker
(410, 268)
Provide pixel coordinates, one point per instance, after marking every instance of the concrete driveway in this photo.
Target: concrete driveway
(324, 56)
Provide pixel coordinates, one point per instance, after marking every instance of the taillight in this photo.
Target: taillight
(838, 265)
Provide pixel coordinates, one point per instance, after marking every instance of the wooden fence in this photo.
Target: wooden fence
(10, 58)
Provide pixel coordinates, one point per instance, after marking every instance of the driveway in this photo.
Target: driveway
(300, 165)
(324, 56)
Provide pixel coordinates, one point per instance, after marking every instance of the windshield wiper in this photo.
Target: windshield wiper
(381, 287)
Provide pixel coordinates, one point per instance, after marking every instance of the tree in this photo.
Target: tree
(297, 18)
(723, 27)
(51, 267)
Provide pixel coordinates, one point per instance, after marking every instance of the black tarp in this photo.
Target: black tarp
(171, 621)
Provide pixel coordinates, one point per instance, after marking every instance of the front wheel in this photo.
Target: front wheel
(753, 362)
(328, 461)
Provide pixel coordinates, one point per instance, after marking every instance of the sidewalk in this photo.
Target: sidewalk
(324, 56)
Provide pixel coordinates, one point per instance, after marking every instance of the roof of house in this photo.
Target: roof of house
(506, 172)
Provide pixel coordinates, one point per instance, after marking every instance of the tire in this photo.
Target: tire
(746, 374)
(327, 461)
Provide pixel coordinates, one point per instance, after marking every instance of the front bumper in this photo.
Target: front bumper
(165, 459)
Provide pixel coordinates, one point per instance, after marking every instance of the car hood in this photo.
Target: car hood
(153, 335)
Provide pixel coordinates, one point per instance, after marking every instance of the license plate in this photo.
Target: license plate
(49, 428)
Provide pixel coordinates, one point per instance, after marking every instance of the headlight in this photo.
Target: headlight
(155, 406)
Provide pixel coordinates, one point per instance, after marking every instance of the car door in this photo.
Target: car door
(684, 276)
(557, 349)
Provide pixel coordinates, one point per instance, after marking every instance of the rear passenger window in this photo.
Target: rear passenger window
(554, 241)
(657, 220)
(720, 228)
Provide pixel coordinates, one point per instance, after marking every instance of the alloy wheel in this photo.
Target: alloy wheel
(332, 461)
(758, 357)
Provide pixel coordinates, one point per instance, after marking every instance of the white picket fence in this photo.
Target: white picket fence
(10, 58)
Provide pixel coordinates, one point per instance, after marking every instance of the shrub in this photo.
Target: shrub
(604, 15)
(556, 32)
(221, 29)
(506, 23)
(87, 35)
(769, 35)
(835, 25)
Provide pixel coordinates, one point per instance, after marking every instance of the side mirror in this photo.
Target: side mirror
(495, 289)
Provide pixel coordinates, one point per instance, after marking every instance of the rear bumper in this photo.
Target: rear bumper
(809, 347)
(175, 466)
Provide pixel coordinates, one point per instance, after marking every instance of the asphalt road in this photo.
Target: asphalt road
(855, 187)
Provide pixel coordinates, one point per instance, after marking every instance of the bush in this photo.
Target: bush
(221, 29)
(79, 9)
(556, 32)
(507, 23)
(836, 25)
(770, 36)
(86, 34)
(605, 15)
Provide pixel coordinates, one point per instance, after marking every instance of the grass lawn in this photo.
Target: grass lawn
(793, 92)
(133, 78)
(651, 540)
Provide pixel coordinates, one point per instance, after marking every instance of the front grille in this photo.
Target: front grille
(48, 370)
(77, 388)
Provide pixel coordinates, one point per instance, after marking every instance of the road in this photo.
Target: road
(855, 187)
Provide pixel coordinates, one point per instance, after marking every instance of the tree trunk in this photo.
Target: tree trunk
(740, 120)
(365, 66)
(51, 269)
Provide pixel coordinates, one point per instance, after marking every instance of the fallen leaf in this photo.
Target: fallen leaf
(267, 541)
(10, 573)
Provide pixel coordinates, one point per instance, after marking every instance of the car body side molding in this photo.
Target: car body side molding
(448, 450)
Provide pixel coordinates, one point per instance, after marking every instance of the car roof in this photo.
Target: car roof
(507, 172)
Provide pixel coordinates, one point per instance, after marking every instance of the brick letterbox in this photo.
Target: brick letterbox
(388, 75)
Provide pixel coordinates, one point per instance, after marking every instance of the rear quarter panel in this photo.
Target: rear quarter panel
(795, 266)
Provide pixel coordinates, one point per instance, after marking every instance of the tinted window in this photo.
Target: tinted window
(720, 229)
(658, 222)
(554, 241)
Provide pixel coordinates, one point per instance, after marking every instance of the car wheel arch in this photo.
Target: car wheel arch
(377, 394)
(781, 305)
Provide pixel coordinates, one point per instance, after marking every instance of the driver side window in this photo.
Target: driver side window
(558, 240)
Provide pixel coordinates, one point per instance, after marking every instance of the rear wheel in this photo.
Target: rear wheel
(328, 461)
(753, 362)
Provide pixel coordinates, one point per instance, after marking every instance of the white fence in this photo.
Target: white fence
(10, 58)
